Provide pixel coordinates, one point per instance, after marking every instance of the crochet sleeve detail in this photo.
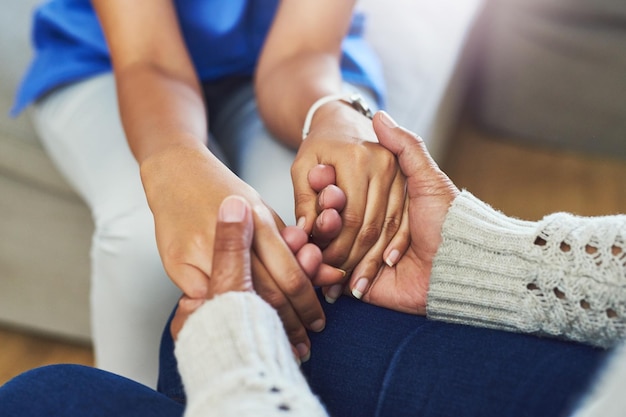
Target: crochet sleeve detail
(235, 360)
(563, 276)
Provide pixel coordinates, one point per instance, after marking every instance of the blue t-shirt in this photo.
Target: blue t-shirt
(224, 38)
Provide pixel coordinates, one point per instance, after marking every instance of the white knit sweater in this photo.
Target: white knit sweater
(563, 276)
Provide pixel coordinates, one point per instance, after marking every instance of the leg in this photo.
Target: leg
(371, 361)
(80, 127)
(73, 390)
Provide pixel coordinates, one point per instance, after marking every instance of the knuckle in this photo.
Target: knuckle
(368, 236)
(295, 332)
(335, 257)
(392, 224)
(370, 266)
(305, 198)
(276, 299)
(351, 219)
(295, 282)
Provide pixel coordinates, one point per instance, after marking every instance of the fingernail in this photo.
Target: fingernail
(359, 288)
(301, 222)
(232, 209)
(393, 257)
(333, 293)
(343, 273)
(304, 352)
(321, 197)
(318, 325)
(387, 120)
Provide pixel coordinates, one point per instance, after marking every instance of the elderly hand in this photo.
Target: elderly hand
(404, 287)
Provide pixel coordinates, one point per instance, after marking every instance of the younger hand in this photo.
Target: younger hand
(369, 176)
(231, 269)
(184, 187)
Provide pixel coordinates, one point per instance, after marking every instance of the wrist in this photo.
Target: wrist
(334, 105)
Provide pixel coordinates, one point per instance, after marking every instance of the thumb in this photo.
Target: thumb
(408, 147)
(231, 250)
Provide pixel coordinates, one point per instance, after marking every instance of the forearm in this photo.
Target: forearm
(563, 276)
(300, 62)
(286, 91)
(160, 111)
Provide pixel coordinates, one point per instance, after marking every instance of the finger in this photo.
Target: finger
(321, 176)
(328, 224)
(231, 250)
(378, 200)
(281, 264)
(371, 263)
(305, 197)
(352, 218)
(186, 307)
(267, 289)
(408, 147)
(295, 237)
(401, 240)
(328, 275)
(331, 197)
(327, 227)
(310, 259)
(332, 292)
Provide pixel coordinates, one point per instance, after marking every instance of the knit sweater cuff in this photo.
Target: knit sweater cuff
(483, 268)
(233, 355)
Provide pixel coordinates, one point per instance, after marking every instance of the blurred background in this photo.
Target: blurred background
(522, 102)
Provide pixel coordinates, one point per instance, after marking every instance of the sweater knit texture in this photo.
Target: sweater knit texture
(235, 360)
(563, 276)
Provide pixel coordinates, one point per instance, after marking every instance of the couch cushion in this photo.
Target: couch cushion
(554, 70)
(21, 154)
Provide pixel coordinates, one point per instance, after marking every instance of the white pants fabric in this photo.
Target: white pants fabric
(131, 296)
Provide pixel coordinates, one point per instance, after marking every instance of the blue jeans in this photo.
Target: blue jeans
(371, 361)
(368, 361)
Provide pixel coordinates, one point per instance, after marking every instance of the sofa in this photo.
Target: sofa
(553, 73)
(45, 229)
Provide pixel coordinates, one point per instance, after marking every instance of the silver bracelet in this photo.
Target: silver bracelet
(355, 100)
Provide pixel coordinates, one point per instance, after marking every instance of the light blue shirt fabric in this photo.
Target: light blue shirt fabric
(224, 38)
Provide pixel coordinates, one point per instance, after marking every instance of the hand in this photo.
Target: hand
(372, 182)
(184, 188)
(231, 269)
(405, 286)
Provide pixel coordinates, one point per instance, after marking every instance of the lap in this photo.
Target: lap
(376, 362)
(64, 390)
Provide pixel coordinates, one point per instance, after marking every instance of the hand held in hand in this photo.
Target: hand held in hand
(231, 257)
(404, 286)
